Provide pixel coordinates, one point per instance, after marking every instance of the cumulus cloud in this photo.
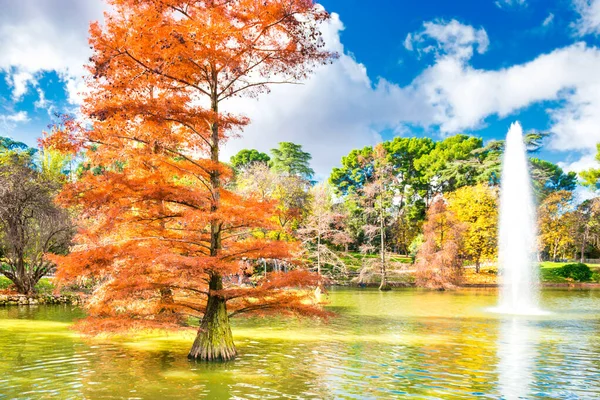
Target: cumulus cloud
(448, 38)
(589, 21)
(339, 108)
(587, 161)
(464, 96)
(40, 36)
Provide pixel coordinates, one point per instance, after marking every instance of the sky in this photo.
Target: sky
(406, 68)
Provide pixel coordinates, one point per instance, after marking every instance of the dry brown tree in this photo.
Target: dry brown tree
(440, 259)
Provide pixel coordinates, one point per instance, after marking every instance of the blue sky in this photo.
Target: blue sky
(433, 68)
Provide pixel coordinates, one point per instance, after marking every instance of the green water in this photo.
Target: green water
(405, 343)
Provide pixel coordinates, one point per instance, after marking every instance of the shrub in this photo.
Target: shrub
(596, 277)
(578, 272)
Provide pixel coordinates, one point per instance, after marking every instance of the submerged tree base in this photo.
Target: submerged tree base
(214, 341)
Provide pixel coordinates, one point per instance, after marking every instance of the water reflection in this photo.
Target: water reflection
(417, 344)
(517, 353)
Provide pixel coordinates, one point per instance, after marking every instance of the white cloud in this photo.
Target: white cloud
(50, 35)
(587, 161)
(448, 38)
(8, 122)
(464, 96)
(510, 3)
(589, 22)
(19, 82)
(548, 21)
(21, 116)
(339, 108)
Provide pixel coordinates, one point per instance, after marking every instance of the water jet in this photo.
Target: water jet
(518, 234)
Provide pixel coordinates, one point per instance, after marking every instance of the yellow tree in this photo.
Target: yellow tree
(477, 207)
(555, 223)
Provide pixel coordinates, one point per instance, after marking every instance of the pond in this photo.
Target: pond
(405, 343)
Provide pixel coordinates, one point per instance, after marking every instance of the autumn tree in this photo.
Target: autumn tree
(160, 229)
(290, 194)
(324, 224)
(477, 207)
(586, 218)
(440, 257)
(377, 197)
(31, 225)
(555, 223)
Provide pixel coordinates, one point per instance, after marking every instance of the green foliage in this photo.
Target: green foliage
(549, 178)
(436, 165)
(591, 177)
(353, 174)
(245, 158)
(289, 158)
(577, 271)
(596, 277)
(7, 144)
(44, 286)
(414, 247)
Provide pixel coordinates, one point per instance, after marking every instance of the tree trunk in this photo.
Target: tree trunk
(166, 300)
(477, 266)
(583, 243)
(23, 282)
(384, 286)
(214, 341)
(24, 287)
(319, 254)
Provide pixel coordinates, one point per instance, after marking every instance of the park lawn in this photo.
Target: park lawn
(490, 275)
(547, 271)
(353, 260)
(486, 276)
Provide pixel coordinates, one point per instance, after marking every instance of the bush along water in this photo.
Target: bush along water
(577, 271)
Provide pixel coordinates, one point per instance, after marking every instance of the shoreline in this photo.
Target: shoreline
(24, 300)
(548, 285)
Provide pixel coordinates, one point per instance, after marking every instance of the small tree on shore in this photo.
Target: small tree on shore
(377, 198)
(323, 224)
(31, 225)
(440, 258)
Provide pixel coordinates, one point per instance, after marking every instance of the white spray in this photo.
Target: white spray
(517, 237)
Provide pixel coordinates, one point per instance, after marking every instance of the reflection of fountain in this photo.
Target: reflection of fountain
(517, 238)
(516, 353)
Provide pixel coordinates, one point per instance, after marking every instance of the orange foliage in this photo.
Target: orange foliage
(439, 260)
(157, 222)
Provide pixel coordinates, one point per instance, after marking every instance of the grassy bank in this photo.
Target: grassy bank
(547, 274)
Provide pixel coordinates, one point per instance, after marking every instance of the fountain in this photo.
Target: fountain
(517, 237)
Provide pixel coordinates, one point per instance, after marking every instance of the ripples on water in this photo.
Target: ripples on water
(382, 345)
